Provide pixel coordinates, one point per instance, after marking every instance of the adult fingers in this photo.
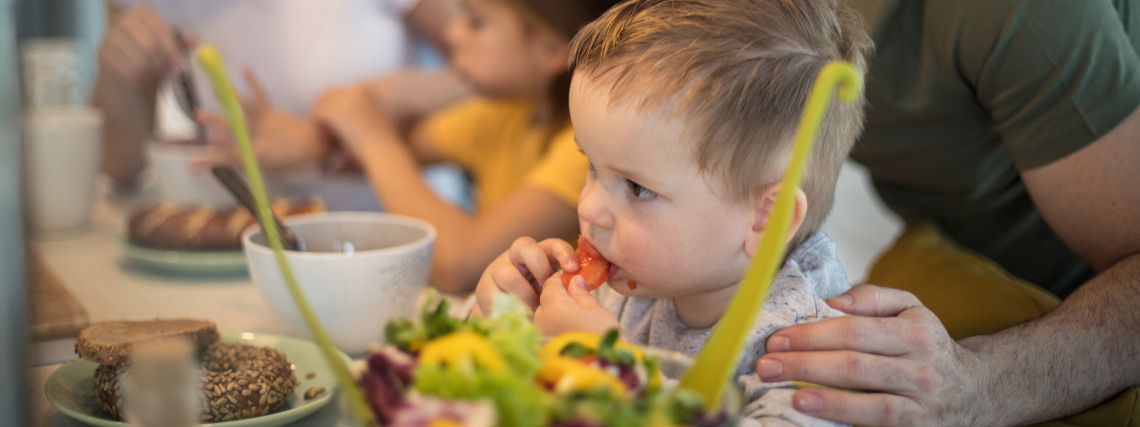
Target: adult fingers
(875, 301)
(165, 46)
(151, 40)
(888, 336)
(122, 55)
(845, 369)
(858, 408)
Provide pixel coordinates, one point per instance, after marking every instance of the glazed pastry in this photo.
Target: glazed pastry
(202, 227)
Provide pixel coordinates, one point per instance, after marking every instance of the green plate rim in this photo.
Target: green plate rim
(184, 261)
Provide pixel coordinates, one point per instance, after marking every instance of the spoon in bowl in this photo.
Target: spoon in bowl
(230, 179)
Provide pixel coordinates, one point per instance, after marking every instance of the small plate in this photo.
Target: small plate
(185, 262)
(70, 389)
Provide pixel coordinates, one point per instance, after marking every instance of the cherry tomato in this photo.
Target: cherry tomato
(591, 266)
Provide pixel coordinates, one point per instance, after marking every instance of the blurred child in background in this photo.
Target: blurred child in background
(514, 140)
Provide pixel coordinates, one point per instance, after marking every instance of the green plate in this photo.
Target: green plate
(185, 262)
(70, 389)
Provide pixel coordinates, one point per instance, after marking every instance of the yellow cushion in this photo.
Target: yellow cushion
(972, 295)
(969, 293)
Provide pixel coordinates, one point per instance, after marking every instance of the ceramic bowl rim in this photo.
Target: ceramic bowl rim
(249, 245)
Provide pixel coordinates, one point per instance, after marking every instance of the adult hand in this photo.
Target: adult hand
(565, 309)
(281, 141)
(353, 116)
(139, 47)
(521, 270)
(891, 346)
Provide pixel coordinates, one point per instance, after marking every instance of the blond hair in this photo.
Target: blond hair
(739, 73)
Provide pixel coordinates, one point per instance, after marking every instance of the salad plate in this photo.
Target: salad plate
(184, 262)
(499, 369)
(70, 388)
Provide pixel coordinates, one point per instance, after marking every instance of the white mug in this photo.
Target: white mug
(63, 152)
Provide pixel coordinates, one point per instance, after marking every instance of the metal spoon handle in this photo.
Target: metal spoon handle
(229, 178)
(186, 82)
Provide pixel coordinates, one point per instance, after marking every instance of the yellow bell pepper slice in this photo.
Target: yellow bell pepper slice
(590, 340)
(461, 348)
(565, 374)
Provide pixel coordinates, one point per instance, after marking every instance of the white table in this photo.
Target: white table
(91, 264)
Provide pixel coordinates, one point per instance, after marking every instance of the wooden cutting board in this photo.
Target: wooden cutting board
(53, 311)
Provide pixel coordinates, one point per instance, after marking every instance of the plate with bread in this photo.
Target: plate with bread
(241, 379)
(196, 238)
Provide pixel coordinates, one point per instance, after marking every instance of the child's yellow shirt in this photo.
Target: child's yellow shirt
(498, 144)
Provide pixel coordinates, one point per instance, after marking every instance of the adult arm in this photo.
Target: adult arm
(1076, 150)
(466, 242)
(1079, 354)
(136, 51)
(408, 96)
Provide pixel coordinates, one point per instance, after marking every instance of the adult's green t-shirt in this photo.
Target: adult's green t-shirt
(966, 94)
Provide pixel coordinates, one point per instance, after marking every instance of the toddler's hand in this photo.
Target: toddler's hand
(521, 269)
(353, 116)
(565, 309)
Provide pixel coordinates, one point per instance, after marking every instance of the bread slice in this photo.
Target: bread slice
(109, 342)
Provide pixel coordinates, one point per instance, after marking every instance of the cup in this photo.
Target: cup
(62, 155)
(52, 68)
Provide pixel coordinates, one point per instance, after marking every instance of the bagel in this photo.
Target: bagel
(237, 380)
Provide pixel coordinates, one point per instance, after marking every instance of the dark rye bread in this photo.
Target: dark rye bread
(109, 342)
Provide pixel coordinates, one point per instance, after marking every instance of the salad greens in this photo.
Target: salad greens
(444, 370)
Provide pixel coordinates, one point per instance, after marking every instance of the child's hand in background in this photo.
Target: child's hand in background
(572, 308)
(522, 269)
(353, 116)
(281, 141)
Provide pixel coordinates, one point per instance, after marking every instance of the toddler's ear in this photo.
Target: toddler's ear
(763, 209)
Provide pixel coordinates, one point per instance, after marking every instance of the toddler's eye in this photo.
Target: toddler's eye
(640, 192)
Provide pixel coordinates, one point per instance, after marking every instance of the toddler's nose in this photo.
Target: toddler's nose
(592, 207)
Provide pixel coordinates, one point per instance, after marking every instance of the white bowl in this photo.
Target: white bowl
(352, 293)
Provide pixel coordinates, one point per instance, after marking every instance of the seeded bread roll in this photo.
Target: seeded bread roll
(239, 381)
(202, 227)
